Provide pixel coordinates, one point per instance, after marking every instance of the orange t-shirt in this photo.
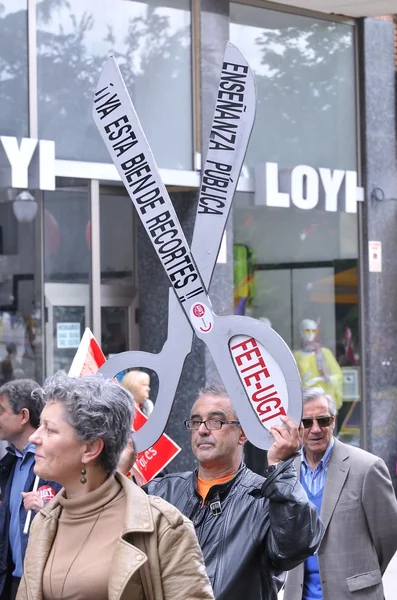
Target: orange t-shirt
(203, 487)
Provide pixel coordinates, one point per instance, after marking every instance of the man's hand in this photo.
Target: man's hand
(287, 441)
(32, 501)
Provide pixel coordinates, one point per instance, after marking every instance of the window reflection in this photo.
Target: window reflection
(151, 41)
(20, 322)
(67, 237)
(13, 68)
(304, 72)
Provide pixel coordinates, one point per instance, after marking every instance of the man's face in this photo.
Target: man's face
(221, 446)
(316, 438)
(11, 425)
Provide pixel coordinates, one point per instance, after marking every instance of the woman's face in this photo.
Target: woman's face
(142, 388)
(58, 452)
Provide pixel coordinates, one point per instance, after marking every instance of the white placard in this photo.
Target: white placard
(68, 335)
(351, 385)
(262, 378)
(375, 257)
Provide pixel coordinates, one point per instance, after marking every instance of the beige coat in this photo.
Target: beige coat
(359, 512)
(155, 537)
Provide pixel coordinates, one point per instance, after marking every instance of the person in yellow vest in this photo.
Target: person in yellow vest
(317, 365)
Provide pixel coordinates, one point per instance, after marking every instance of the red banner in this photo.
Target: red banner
(157, 457)
(89, 358)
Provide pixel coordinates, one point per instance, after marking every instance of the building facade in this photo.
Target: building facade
(309, 246)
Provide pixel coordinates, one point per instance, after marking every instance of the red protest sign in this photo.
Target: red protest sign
(153, 460)
(46, 493)
(89, 356)
(88, 359)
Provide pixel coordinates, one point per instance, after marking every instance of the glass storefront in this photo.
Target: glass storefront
(290, 264)
(152, 43)
(58, 272)
(67, 271)
(20, 288)
(297, 269)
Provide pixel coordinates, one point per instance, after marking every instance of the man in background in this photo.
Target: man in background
(355, 499)
(21, 403)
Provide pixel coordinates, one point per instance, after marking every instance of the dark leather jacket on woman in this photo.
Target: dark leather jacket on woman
(250, 529)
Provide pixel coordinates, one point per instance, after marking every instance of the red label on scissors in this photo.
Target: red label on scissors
(198, 310)
(201, 317)
(46, 493)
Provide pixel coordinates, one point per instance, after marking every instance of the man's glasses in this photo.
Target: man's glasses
(209, 423)
(322, 422)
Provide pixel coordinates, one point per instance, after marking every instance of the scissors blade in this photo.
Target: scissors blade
(232, 124)
(121, 130)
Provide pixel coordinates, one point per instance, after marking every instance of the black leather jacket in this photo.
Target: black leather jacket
(250, 529)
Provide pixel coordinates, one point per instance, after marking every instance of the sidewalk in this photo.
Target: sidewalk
(389, 581)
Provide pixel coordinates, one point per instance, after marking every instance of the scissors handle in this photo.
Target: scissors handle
(167, 364)
(260, 374)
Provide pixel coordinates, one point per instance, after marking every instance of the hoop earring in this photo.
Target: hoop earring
(83, 478)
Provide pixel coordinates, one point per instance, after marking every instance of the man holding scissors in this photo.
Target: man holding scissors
(20, 406)
(250, 528)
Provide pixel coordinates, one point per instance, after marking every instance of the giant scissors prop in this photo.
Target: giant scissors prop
(253, 361)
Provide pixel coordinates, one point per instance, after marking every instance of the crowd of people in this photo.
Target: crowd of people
(322, 516)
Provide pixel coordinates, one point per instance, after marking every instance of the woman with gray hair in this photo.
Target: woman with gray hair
(102, 537)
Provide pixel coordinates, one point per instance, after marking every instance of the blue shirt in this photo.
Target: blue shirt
(315, 480)
(22, 467)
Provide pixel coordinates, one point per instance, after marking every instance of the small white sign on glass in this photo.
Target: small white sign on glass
(375, 256)
(68, 335)
(351, 383)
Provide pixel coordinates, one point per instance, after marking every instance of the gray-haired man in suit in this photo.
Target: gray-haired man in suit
(354, 495)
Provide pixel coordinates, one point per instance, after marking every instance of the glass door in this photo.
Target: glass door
(67, 315)
(119, 297)
(67, 271)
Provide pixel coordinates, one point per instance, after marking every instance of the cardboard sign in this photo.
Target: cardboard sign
(190, 269)
(262, 378)
(89, 358)
(153, 460)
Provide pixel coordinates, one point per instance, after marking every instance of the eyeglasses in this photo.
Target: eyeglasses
(209, 423)
(322, 421)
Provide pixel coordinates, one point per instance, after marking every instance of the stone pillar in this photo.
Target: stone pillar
(378, 222)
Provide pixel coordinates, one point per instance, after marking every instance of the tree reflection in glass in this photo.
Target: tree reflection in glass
(151, 41)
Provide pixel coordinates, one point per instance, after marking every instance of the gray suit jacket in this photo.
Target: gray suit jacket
(359, 512)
